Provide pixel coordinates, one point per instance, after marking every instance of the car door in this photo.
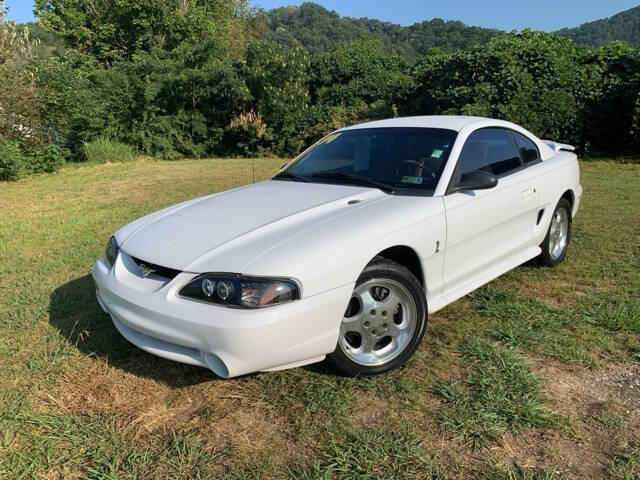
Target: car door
(486, 227)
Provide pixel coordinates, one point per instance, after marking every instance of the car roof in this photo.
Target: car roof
(450, 122)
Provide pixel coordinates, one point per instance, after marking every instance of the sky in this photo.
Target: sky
(503, 14)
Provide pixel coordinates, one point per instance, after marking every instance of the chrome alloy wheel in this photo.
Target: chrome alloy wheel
(558, 233)
(379, 322)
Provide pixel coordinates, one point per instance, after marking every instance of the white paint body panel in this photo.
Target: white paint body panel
(315, 234)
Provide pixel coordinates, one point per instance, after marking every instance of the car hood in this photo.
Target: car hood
(255, 217)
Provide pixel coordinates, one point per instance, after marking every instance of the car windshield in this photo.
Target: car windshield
(395, 160)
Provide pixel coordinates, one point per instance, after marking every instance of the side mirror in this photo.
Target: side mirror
(478, 180)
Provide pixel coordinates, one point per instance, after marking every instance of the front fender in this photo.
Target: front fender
(334, 253)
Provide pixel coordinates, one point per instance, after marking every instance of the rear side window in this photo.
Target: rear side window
(527, 148)
(491, 149)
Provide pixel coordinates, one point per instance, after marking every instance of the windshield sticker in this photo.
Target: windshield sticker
(414, 180)
(437, 153)
(331, 138)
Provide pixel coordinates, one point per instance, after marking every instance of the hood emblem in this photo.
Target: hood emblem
(146, 270)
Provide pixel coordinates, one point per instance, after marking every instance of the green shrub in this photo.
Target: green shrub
(612, 117)
(361, 74)
(46, 160)
(535, 79)
(68, 100)
(11, 161)
(104, 150)
(166, 104)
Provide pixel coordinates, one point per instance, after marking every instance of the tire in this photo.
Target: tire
(553, 252)
(384, 321)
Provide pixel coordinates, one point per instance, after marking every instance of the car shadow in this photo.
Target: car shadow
(74, 311)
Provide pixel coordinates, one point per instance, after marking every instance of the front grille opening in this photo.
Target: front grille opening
(153, 269)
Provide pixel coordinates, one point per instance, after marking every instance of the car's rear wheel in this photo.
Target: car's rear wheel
(556, 242)
(383, 323)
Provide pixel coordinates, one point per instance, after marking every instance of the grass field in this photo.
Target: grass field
(535, 376)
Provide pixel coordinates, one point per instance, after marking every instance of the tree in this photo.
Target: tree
(278, 79)
(164, 103)
(19, 105)
(538, 80)
(612, 119)
(112, 30)
(362, 76)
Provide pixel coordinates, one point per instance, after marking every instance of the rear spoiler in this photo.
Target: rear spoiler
(557, 147)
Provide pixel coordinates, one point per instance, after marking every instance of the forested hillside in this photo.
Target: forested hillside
(319, 30)
(195, 78)
(624, 26)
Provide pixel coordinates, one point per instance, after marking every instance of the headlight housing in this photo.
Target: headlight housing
(240, 291)
(111, 251)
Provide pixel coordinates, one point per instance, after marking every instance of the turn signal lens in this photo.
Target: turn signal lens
(261, 293)
(239, 291)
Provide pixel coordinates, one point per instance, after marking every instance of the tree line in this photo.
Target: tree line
(624, 26)
(318, 29)
(174, 78)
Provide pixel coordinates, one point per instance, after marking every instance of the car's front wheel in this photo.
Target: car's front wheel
(383, 323)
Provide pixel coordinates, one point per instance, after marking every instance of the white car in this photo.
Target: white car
(345, 251)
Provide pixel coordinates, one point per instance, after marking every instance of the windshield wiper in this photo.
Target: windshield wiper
(290, 176)
(355, 179)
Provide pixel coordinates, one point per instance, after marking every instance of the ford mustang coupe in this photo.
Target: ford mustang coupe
(345, 251)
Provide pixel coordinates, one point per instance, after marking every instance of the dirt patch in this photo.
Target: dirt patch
(544, 450)
(368, 409)
(574, 390)
(622, 382)
(249, 433)
(598, 414)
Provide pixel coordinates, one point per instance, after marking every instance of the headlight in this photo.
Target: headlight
(239, 291)
(111, 251)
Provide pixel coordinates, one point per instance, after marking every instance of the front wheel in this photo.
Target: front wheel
(383, 323)
(555, 243)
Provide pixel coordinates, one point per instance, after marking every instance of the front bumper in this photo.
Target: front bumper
(149, 313)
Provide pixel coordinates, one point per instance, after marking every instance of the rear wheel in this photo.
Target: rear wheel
(383, 323)
(555, 244)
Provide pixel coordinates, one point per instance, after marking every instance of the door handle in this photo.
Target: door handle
(528, 192)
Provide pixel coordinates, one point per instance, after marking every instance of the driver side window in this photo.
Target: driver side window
(491, 149)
